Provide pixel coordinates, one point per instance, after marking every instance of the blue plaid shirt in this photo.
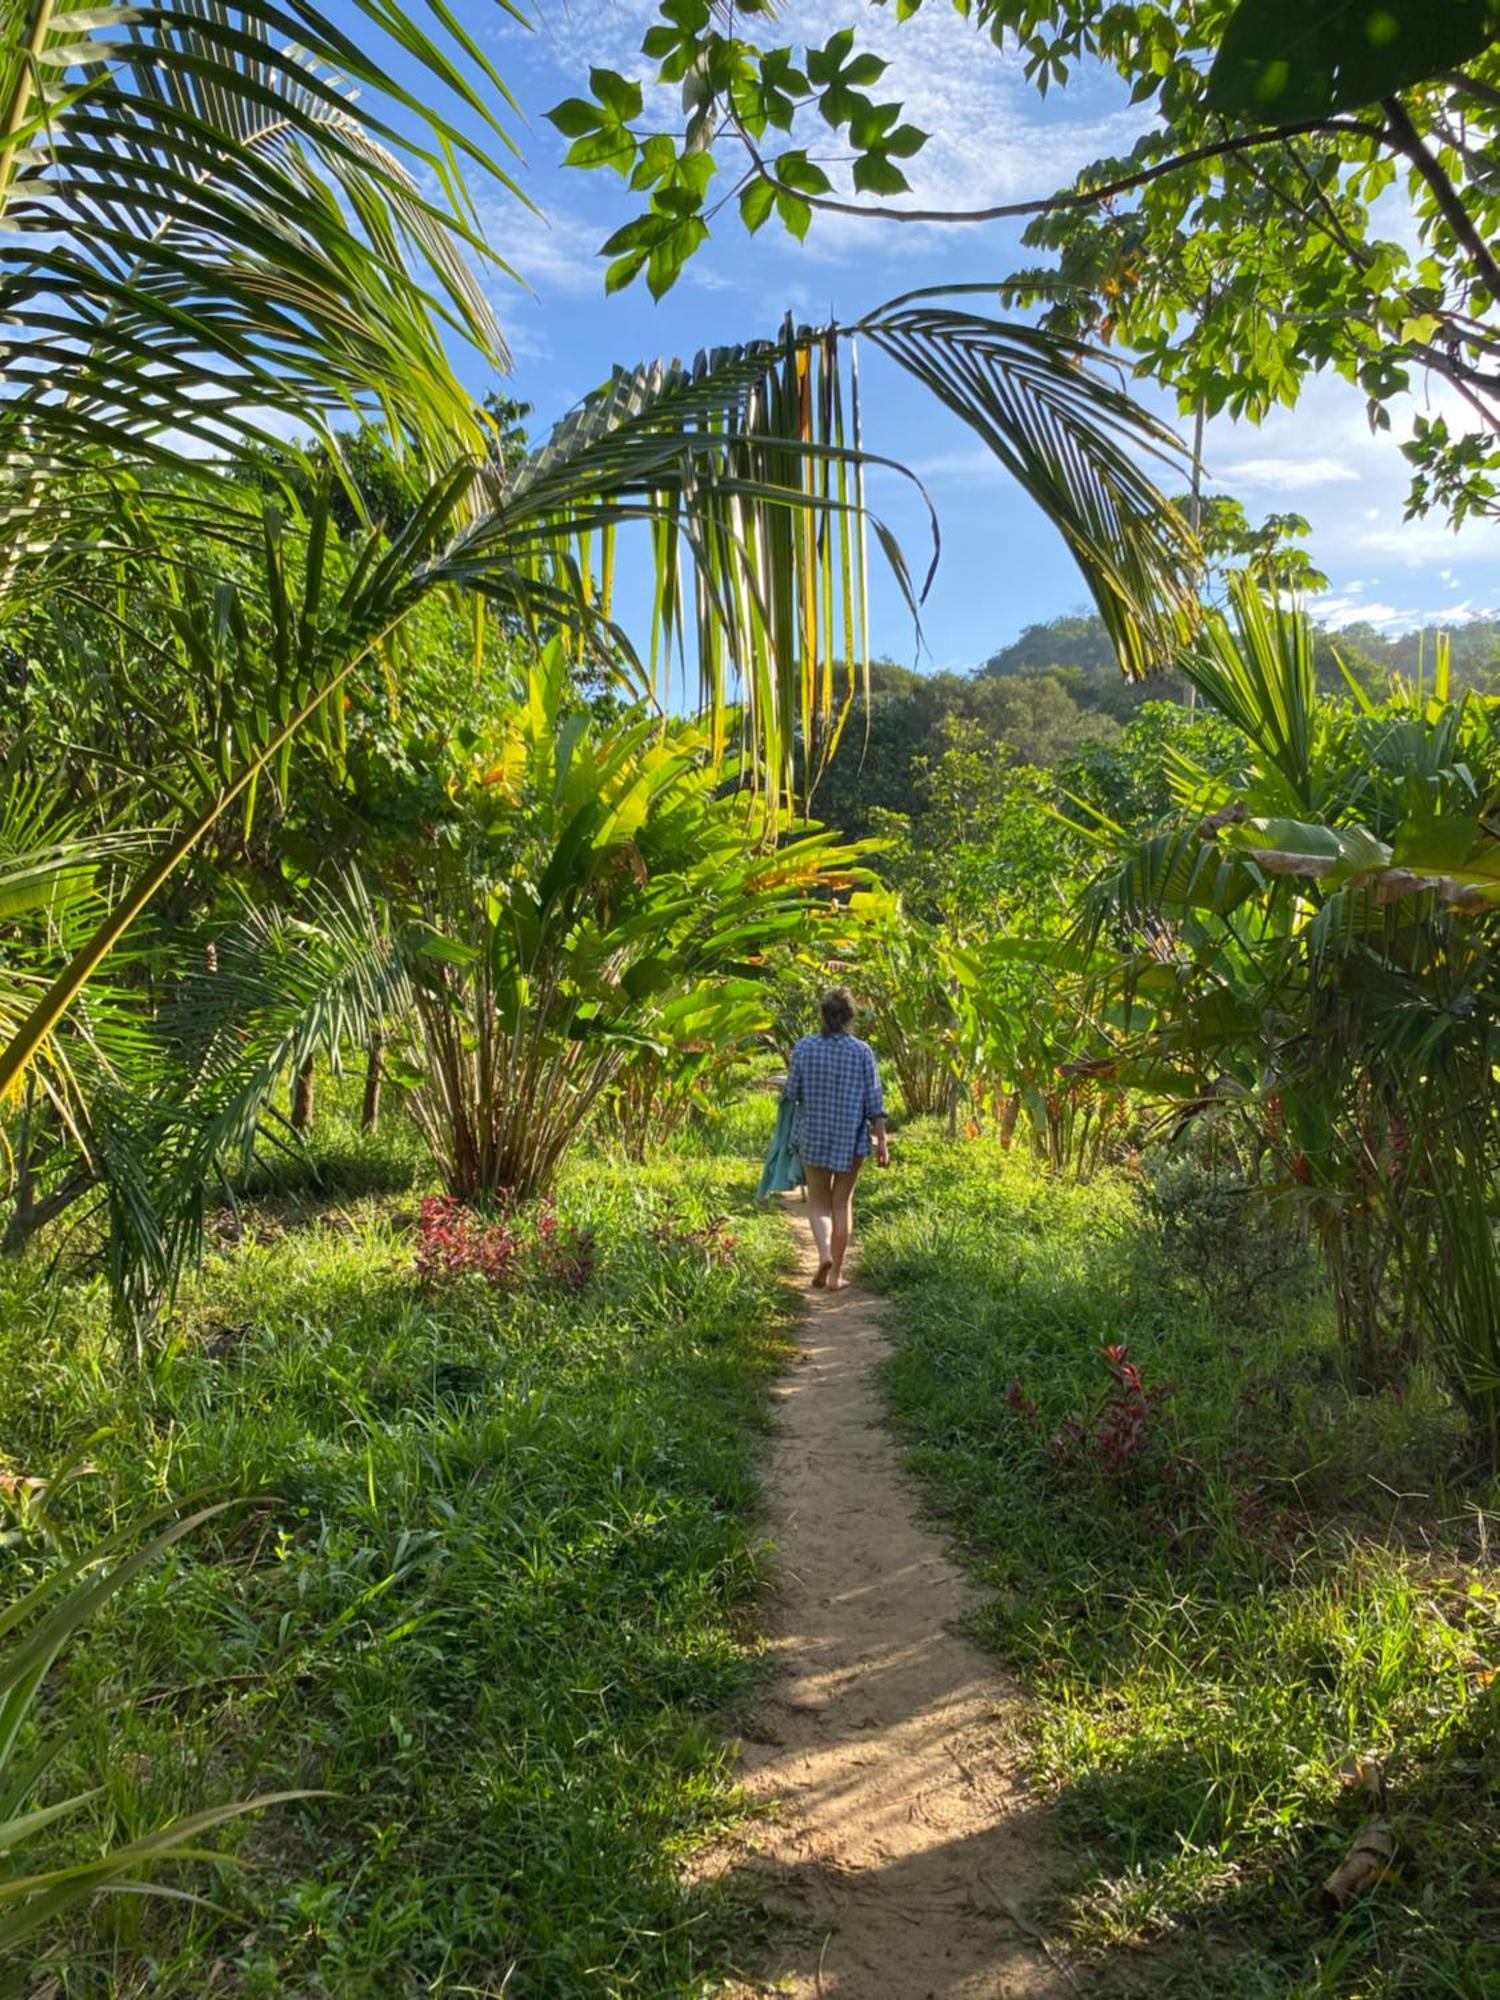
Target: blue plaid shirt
(835, 1085)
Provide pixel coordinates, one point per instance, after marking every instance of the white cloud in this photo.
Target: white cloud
(556, 252)
(1337, 611)
(526, 336)
(991, 138)
(1287, 475)
(1419, 544)
(974, 462)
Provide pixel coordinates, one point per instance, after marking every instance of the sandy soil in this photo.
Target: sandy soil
(903, 1847)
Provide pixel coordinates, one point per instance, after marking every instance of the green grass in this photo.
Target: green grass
(500, 1588)
(499, 1597)
(1282, 1576)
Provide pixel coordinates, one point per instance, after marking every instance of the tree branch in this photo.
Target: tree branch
(1470, 86)
(1406, 140)
(1076, 198)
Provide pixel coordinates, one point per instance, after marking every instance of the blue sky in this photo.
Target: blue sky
(993, 140)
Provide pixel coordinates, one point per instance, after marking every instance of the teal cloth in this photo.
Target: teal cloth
(783, 1168)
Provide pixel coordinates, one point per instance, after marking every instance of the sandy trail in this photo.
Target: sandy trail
(903, 1844)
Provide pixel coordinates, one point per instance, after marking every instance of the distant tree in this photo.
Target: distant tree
(1074, 649)
(874, 764)
(1077, 639)
(890, 745)
(1038, 716)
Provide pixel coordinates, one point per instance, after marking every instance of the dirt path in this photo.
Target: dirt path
(903, 1845)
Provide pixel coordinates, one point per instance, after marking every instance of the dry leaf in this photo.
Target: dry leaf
(1367, 1862)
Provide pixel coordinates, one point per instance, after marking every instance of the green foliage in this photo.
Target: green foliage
(1238, 245)
(895, 737)
(701, 1041)
(582, 914)
(1077, 648)
(1275, 1581)
(1221, 1233)
(1268, 553)
(1285, 59)
(493, 1607)
(1308, 950)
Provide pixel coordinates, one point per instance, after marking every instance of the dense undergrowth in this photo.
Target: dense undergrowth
(496, 1595)
(1239, 1598)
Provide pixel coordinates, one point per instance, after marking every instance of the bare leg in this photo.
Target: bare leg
(842, 1223)
(820, 1181)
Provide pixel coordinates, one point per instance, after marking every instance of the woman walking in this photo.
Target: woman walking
(835, 1085)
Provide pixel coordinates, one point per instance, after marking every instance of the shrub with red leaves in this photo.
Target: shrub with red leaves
(1113, 1439)
(454, 1242)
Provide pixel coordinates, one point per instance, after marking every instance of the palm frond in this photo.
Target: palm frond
(745, 469)
(1256, 668)
(1076, 445)
(281, 989)
(205, 221)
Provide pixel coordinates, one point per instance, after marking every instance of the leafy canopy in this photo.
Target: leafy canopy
(1236, 247)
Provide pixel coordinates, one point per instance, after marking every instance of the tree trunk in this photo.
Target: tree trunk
(28, 1216)
(369, 1114)
(303, 1098)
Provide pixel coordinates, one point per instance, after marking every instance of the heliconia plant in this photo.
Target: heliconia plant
(1310, 949)
(597, 877)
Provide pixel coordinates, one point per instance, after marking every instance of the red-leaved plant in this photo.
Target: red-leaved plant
(1124, 1441)
(1115, 1438)
(453, 1241)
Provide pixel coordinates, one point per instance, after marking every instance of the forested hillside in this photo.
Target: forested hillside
(1055, 694)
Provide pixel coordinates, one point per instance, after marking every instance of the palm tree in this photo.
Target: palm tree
(212, 221)
(204, 231)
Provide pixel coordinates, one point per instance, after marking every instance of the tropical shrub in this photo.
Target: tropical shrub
(1306, 952)
(1224, 1232)
(595, 876)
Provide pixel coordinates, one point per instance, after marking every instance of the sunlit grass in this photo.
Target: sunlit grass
(495, 1603)
(1206, 1640)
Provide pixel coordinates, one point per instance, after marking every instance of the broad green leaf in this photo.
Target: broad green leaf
(1285, 60)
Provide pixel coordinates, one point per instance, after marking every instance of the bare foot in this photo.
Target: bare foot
(838, 1284)
(820, 1276)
